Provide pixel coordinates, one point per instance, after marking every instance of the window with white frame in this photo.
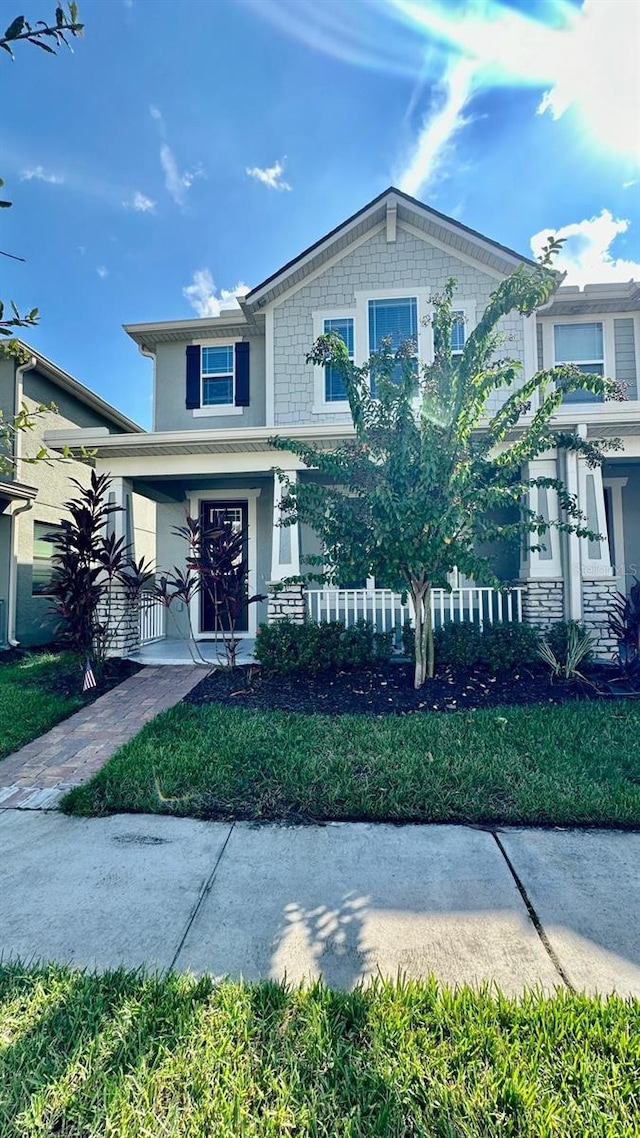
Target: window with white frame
(334, 388)
(394, 319)
(457, 333)
(582, 345)
(218, 375)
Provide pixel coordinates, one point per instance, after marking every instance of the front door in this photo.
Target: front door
(212, 514)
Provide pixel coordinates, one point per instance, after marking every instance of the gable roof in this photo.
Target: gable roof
(67, 383)
(453, 233)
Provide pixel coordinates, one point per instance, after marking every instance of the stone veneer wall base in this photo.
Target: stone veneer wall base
(597, 598)
(123, 615)
(285, 602)
(543, 602)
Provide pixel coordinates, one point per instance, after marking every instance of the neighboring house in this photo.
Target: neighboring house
(224, 385)
(32, 495)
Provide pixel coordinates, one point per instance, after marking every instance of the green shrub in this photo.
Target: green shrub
(499, 647)
(557, 637)
(287, 647)
(458, 644)
(509, 645)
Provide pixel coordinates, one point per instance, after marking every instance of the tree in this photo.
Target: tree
(414, 494)
(47, 37)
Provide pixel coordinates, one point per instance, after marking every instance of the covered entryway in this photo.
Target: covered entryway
(215, 612)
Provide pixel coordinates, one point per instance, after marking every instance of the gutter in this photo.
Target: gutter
(12, 592)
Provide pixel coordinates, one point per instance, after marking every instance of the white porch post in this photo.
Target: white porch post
(598, 582)
(284, 601)
(541, 570)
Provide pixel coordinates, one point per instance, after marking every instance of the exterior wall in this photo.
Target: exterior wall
(628, 558)
(170, 413)
(5, 554)
(625, 355)
(143, 526)
(543, 602)
(35, 623)
(408, 263)
(597, 597)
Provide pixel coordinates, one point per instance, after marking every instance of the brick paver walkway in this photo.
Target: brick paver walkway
(36, 776)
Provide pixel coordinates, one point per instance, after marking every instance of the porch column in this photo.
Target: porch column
(598, 582)
(284, 600)
(541, 570)
(120, 612)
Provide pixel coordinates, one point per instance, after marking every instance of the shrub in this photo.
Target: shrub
(458, 644)
(509, 645)
(287, 647)
(499, 647)
(559, 635)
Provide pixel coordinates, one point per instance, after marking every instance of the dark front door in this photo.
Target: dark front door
(212, 514)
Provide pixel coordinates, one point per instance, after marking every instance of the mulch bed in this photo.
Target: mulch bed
(388, 690)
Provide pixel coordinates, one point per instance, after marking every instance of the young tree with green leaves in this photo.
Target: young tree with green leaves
(414, 494)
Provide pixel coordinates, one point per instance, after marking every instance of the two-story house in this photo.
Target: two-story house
(224, 385)
(32, 494)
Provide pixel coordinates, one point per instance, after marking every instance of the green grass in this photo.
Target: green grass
(35, 695)
(569, 764)
(128, 1056)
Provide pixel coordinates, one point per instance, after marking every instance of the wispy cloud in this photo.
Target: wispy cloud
(102, 272)
(586, 255)
(41, 175)
(270, 176)
(631, 182)
(177, 182)
(205, 299)
(140, 203)
(434, 143)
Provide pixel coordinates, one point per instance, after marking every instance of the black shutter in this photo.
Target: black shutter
(193, 376)
(242, 374)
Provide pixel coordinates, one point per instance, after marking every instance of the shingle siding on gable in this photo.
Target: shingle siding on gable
(625, 355)
(409, 263)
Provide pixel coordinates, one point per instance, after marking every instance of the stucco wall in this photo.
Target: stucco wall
(35, 624)
(170, 412)
(408, 263)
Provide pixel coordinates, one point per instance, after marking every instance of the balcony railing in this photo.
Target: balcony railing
(476, 604)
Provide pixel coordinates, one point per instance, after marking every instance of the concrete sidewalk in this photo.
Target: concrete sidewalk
(344, 901)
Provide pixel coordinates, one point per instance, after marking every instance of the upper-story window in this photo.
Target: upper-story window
(394, 319)
(334, 388)
(218, 376)
(457, 334)
(582, 345)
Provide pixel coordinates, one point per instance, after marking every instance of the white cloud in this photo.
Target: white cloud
(177, 183)
(140, 203)
(586, 256)
(270, 176)
(102, 272)
(41, 175)
(630, 183)
(155, 113)
(204, 297)
(435, 139)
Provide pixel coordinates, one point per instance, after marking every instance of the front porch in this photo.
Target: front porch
(203, 653)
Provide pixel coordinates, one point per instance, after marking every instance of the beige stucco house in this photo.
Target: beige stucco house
(223, 385)
(32, 494)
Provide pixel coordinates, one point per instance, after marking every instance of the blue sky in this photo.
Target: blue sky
(190, 147)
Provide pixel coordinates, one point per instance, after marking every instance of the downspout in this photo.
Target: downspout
(12, 598)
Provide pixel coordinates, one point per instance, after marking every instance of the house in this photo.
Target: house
(32, 494)
(224, 385)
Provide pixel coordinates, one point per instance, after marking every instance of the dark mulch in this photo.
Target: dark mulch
(388, 690)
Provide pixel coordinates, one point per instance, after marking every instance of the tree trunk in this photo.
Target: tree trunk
(423, 634)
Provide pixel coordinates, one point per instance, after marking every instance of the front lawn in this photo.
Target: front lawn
(125, 1054)
(36, 692)
(38, 689)
(575, 763)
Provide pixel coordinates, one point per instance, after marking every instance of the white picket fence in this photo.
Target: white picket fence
(477, 604)
(152, 619)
